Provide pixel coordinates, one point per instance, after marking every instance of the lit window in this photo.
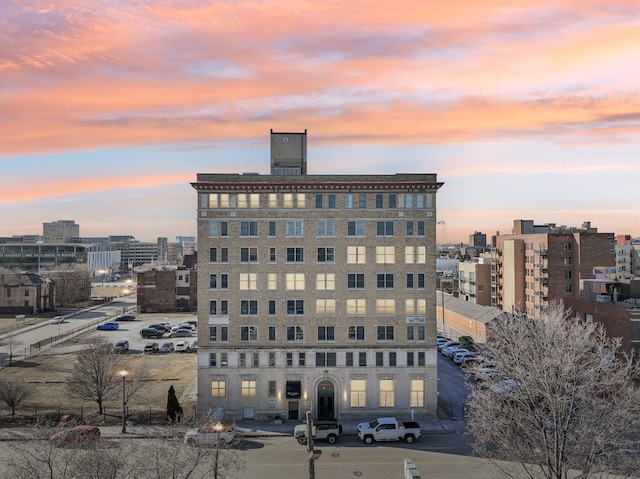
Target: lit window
(249, 388)
(356, 306)
(218, 388)
(385, 254)
(272, 281)
(417, 393)
(248, 281)
(295, 281)
(358, 393)
(385, 306)
(356, 255)
(325, 281)
(325, 306)
(386, 393)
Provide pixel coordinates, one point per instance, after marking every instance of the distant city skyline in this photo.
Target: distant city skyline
(525, 110)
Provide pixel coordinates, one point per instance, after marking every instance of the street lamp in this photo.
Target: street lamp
(123, 373)
(102, 272)
(218, 428)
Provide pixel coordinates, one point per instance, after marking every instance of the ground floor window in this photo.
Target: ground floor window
(358, 393)
(218, 388)
(386, 393)
(417, 393)
(249, 388)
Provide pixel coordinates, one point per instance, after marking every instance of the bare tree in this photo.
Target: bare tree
(95, 373)
(72, 284)
(13, 393)
(564, 399)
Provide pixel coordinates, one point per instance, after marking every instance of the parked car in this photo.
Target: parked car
(459, 357)
(126, 317)
(57, 320)
(121, 346)
(447, 344)
(327, 430)
(194, 346)
(75, 435)
(108, 326)
(159, 327)
(210, 434)
(451, 350)
(167, 348)
(148, 333)
(389, 429)
(167, 326)
(182, 347)
(181, 333)
(151, 347)
(183, 326)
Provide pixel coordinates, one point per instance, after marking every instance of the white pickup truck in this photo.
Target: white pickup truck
(389, 429)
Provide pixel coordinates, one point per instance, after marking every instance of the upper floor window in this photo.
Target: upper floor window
(355, 333)
(295, 307)
(325, 281)
(385, 333)
(248, 255)
(218, 200)
(355, 228)
(248, 200)
(325, 360)
(379, 201)
(385, 254)
(326, 255)
(249, 307)
(415, 280)
(248, 228)
(385, 306)
(384, 228)
(272, 228)
(295, 255)
(295, 333)
(218, 255)
(384, 280)
(248, 281)
(272, 200)
(393, 201)
(248, 333)
(356, 255)
(295, 281)
(356, 306)
(326, 333)
(348, 201)
(326, 228)
(355, 280)
(295, 228)
(218, 228)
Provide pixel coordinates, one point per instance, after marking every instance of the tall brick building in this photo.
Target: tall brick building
(316, 292)
(538, 264)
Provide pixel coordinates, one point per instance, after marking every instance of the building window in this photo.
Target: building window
(325, 360)
(248, 228)
(384, 228)
(272, 360)
(420, 224)
(325, 306)
(332, 200)
(218, 200)
(410, 358)
(362, 359)
(379, 201)
(387, 399)
(213, 281)
(213, 255)
(385, 306)
(272, 307)
(248, 281)
(408, 201)
(302, 359)
(356, 306)
(568, 274)
(272, 228)
(568, 261)
(272, 200)
(392, 359)
(417, 393)
(362, 200)
(295, 281)
(272, 333)
(421, 359)
(348, 359)
(272, 389)
(358, 393)
(295, 255)
(224, 362)
(393, 200)
(248, 255)
(295, 333)
(218, 388)
(248, 333)
(326, 333)
(272, 281)
(224, 228)
(295, 307)
(213, 333)
(355, 228)
(212, 360)
(355, 280)
(255, 360)
(415, 280)
(384, 280)
(295, 228)
(355, 333)
(248, 200)
(385, 333)
(385, 254)
(326, 255)
(356, 255)
(224, 307)
(409, 228)
(415, 332)
(249, 307)
(249, 388)
(242, 360)
(325, 281)
(213, 307)
(289, 358)
(348, 201)
(416, 306)
(568, 288)
(379, 359)
(326, 229)
(318, 201)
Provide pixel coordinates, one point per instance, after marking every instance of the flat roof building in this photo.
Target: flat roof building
(316, 292)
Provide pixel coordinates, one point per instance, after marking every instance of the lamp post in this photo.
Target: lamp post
(102, 272)
(123, 373)
(218, 428)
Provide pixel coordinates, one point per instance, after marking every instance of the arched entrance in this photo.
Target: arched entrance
(326, 400)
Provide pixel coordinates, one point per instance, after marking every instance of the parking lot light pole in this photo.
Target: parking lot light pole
(123, 373)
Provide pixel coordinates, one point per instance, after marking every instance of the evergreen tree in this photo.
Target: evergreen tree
(174, 410)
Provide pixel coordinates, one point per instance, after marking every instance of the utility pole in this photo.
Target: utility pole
(312, 466)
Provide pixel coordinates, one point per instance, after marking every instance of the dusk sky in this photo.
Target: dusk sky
(524, 109)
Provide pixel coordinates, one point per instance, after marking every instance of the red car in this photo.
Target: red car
(75, 435)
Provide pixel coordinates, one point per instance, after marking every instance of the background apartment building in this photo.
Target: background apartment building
(538, 264)
(316, 292)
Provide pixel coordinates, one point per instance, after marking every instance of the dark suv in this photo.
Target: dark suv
(147, 333)
(121, 346)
